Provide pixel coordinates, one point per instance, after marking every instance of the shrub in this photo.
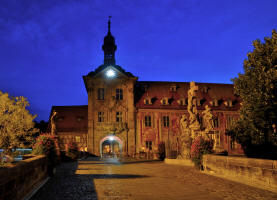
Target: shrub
(72, 150)
(199, 147)
(45, 145)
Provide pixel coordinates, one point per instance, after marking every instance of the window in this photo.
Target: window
(119, 94)
(173, 88)
(148, 145)
(118, 116)
(100, 116)
(164, 101)
(214, 102)
(182, 102)
(216, 122)
(228, 103)
(230, 121)
(232, 144)
(166, 121)
(77, 139)
(147, 101)
(147, 121)
(217, 139)
(101, 94)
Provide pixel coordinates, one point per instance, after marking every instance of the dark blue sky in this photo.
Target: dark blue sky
(47, 46)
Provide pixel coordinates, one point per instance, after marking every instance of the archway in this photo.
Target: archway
(111, 146)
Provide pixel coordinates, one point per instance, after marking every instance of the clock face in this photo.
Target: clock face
(110, 73)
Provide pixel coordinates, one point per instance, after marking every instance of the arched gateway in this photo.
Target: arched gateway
(111, 146)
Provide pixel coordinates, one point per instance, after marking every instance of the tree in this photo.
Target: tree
(16, 123)
(42, 126)
(255, 130)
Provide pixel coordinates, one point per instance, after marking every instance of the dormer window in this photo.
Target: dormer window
(228, 103)
(173, 88)
(164, 101)
(214, 102)
(147, 101)
(182, 102)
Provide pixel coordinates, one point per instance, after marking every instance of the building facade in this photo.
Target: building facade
(125, 116)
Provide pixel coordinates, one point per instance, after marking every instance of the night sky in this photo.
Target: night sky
(47, 46)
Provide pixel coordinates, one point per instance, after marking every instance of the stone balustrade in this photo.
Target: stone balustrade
(259, 173)
(18, 180)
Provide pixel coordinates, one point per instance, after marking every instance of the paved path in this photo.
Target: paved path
(111, 180)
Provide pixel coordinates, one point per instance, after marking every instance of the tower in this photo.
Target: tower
(111, 109)
(109, 47)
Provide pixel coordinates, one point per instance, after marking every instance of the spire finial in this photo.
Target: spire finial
(109, 24)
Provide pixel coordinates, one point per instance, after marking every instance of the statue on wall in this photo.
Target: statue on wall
(208, 118)
(53, 123)
(192, 106)
(185, 137)
(184, 124)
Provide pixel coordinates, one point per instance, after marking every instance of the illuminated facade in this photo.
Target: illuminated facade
(126, 116)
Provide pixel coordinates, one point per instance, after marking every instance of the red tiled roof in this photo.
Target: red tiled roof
(71, 118)
(158, 90)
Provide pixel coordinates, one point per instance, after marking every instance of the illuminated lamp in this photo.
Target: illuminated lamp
(110, 73)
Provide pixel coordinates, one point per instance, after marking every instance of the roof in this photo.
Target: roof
(157, 90)
(71, 118)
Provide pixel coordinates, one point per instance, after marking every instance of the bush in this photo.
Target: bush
(161, 150)
(45, 145)
(72, 150)
(199, 147)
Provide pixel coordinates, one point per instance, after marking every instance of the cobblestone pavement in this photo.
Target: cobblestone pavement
(111, 179)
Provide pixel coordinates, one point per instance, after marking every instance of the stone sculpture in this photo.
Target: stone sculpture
(192, 107)
(185, 138)
(53, 123)
(208, 119)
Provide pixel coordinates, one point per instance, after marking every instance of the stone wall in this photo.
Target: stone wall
(259, 173)
(185, 162)
(18, 180)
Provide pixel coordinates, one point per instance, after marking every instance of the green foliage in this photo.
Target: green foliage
(257, 88)
(199, 147)
(72, 150)
(16, 123)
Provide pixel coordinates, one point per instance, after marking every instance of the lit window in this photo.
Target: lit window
(147, 101)
(147, 121)
(118, 116)
(77, 139)
(100, 116)
(101, 94)
(214, 102)
(173, 88)
(182, 102)
(148, 145)
(164, 101)
(119, 94)
(228, 103)
(166, 121)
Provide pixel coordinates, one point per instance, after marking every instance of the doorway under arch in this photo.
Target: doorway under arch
(111, 146)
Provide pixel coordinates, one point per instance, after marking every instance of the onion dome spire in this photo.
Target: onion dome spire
(109, 47)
